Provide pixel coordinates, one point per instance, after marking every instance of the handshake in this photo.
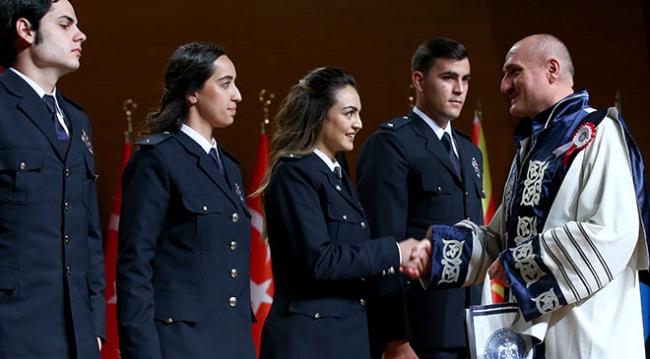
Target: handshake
(416, 257)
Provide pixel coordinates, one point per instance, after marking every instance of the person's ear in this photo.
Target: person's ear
(25, 32)
(418, 80)
(553, 70)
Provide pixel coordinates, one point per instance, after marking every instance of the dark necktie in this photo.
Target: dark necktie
(446, 140)
(217, 160)
(61, 135)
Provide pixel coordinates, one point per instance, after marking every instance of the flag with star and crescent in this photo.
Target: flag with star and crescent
(261, 275)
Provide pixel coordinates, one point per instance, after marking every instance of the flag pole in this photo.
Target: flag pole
(479, 110)
(129, 108)
(411, 97)
(265, 108)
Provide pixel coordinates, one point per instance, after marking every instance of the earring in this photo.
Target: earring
(193, 100)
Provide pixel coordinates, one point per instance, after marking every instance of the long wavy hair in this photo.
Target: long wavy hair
(189, 68)
(299, 122)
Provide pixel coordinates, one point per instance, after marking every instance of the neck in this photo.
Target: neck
(46, 77)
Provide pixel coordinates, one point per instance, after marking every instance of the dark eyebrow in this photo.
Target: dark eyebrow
(351, 107)
(449, 73)
(225, 77)
(67, 18)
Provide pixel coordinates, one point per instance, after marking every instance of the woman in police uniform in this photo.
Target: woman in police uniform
(317, 231)
(183, 266)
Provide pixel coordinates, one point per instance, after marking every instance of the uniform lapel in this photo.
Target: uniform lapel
(338, 185)
(433, 144)
(206, 165)
(34, 109)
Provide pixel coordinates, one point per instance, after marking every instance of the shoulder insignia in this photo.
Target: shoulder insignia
(155, 139)
(395, 123)
(290, 157)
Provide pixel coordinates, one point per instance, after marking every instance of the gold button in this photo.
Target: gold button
(169, 320)
(67, 172)
(232, 301)
(345, 218)
(67, 238)
(235, 218)
(22, 166)
(363, 225)
(317, 316)
(362, 302)
(233, 273)
(205, 208)
(66, 206)
(233, 245)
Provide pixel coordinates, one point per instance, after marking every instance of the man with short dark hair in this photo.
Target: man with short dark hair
(415, 171)
(51, 260)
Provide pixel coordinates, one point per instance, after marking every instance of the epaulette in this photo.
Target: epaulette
(73, 102)
(229, 155)
(155, 139)
(290, 157)
(395, 123)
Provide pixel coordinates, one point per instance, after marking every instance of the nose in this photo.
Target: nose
(81, 37)
(506, 85)
(357, 124)
(236, 94)
(459, 88)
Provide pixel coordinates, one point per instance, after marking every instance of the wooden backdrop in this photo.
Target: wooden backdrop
(273, 43)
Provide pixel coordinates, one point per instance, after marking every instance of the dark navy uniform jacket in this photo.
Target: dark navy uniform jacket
(321, 252)
(51, 260)
(407, 183)
(183, 284)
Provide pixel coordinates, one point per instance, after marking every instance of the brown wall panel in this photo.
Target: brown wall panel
(274, 43)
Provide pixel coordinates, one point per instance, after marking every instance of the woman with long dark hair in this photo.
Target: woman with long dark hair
(183, 267)
(317, 231)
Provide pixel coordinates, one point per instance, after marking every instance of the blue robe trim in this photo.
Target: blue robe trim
(450, 263)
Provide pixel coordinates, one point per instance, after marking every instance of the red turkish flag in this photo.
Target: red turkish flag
(110, 350)
(261, 275)
(1, 69)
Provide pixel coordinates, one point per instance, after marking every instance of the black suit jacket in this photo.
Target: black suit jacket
(183, 284)
(407, 183)
(322, 252)
(51, 259)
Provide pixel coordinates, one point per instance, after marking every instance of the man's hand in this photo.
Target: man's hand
(399, 350)
(496, 272)
(416, 257)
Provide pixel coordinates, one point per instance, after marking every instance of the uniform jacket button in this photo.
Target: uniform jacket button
(205, 208)
(67, 238)
(67, 172)
(66, 206)
(363, 225)
(22, 166)
(233, 273)
(317, 316)
(235, 218)
(362, 302)
(68, 270)
(169, 320)
(345, 217)
(233, 245)
(232, 301)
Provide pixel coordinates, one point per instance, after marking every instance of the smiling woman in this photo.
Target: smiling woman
(318, 233)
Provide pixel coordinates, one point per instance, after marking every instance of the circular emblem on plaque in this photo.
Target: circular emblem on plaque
(505, 344)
